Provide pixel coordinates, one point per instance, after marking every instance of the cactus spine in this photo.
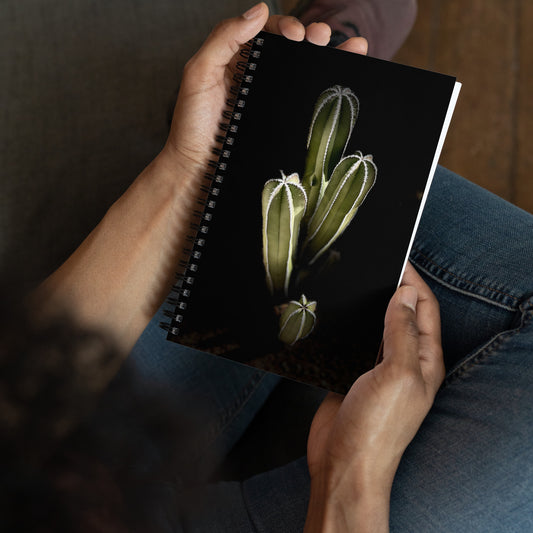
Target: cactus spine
(297, 321)
(284, 202)
(333, 120)
(348, 187)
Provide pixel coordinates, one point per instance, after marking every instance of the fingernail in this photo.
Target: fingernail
(253, 11)
(409, 297)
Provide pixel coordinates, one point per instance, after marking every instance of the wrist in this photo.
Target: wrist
(351, 501)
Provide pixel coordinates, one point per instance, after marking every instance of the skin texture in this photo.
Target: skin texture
(119, 276)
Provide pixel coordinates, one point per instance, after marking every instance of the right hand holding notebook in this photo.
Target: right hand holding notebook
(356, 442)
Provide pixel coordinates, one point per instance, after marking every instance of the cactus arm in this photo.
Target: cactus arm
(271, 230)
(347, 189)
(345, 116)
(284, 201)
(332, 123)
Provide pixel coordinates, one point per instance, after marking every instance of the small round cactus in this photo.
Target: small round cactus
(297, 320)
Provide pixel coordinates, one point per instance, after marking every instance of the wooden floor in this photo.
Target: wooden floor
(488, 46)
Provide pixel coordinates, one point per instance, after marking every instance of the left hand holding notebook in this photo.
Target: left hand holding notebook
(119, 276)
(208, 77)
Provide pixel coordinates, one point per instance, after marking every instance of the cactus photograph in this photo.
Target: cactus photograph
(302, 219)
(312, 212)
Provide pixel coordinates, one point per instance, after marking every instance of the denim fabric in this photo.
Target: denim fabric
(224, 394)
(475, 251)
(470, 467)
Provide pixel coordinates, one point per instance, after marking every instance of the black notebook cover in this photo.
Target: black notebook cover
(223, 304)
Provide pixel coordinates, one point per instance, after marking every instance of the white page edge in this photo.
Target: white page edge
(444, 131)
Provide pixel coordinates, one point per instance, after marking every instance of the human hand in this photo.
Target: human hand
(208, 77)
(356, 442)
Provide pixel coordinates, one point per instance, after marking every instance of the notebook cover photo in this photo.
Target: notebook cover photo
(311, 210)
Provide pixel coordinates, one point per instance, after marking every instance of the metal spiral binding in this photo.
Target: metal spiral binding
(214, 176)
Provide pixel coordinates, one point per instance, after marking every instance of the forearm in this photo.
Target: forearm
(120, 274)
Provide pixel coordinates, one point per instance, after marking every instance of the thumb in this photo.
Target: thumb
(401, 333)
(226, 38)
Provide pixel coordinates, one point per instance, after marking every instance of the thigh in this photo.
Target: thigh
(470, 467)
(223, 395)
(475, 250)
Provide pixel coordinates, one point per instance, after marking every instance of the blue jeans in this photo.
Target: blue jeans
(470, 467)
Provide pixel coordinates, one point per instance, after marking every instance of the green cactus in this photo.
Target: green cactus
(297, 321)
(284, 202)
(333, 120)
(350, 182)
(332, 189)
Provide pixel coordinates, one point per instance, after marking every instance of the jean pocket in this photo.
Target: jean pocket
(506, 342)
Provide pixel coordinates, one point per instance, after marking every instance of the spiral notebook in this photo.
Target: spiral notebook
(310, 209)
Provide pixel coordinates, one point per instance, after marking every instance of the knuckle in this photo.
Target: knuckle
(397, 333)
(221, 26)
(193, 64)
(410, 327)
(404, 379)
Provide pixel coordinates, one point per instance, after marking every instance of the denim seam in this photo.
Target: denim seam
(486, 350)
(465, 280)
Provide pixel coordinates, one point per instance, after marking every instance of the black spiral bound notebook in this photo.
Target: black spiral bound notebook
(310, 210)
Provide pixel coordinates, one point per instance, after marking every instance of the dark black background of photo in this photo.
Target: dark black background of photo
(402, 110)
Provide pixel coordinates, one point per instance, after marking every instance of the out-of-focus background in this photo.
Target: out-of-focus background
(488, 46)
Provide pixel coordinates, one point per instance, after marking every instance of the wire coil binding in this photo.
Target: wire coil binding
(214, 175)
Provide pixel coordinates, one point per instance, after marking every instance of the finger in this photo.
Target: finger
(226, 38)
(356, 45)
(428, 319)
(401, 334)
(428, 316)
(272, 24)
(428, 306)
(289, 27)
(412, 277)
(318, 33)
(292, 28)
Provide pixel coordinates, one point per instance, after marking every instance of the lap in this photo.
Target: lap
(224, 394)
(469, 467)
